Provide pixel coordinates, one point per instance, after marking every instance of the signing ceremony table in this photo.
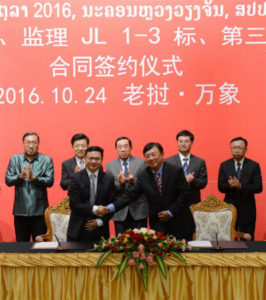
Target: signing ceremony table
(238, 274)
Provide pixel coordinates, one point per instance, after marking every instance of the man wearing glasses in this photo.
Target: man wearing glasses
(88, 189)
(31, 173)
(240, 178)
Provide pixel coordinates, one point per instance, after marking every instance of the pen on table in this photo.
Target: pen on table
(59, 244)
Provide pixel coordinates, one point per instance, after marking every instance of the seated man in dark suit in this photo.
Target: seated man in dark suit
(79, 144)
(240, 178)
(166, 189)
(87, 189)
(195, 171)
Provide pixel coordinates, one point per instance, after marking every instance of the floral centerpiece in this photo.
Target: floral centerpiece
(140, 247)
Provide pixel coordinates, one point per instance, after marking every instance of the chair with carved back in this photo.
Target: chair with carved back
(215, 219)
(56, 219)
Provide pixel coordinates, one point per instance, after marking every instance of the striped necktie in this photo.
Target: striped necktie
(158, 182)
(125, 169)
(185, 166)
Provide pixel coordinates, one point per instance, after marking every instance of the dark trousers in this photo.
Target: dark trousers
(27, 227)
(129, 222)
(246, 227)
(171, 227)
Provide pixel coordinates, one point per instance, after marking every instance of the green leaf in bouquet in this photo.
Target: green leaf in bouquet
(103, 257)
(161, 265)
(144, 275)
(122, 266)
(179, 256)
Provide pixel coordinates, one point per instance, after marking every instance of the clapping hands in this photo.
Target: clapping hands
(122, 179)
(234, 183)
(24, 174)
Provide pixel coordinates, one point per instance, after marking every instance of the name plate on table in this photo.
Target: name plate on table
(62, 245)
(200, 244)
(45, 245)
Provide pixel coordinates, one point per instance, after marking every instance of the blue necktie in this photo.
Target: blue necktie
(185, 166)
(238, 171)
(125, 169)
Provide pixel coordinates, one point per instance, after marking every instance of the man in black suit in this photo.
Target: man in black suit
(87, 189)
(240, 178)
(195, 171)
(79, 144)
(166, 189)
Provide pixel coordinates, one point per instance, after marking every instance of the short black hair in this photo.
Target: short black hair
(79, 136)
(94, 148)
(150, 145)
(239, 138)
(123, 138)
(185, 133)
(31, 133)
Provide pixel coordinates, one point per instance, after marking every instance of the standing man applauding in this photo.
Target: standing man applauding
(195, 171)
(125, 170)
(31, 173)
(79, 144)
(240, 178)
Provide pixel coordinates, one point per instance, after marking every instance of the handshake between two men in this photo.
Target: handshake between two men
(104, 210)
(101, 211)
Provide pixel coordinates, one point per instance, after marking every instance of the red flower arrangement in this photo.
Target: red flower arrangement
(140, 248)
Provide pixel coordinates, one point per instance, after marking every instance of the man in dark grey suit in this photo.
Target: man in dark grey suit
(240, 178)
(125, 170)
(166, 189)
(195, 171)
(80, 143)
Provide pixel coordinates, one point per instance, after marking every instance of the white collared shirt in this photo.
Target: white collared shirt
(122, 163)
(95, 207)
(95, 178)
(182, 158)
(241, 163)
(80, 163)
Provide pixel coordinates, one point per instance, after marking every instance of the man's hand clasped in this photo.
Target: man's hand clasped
(102, 211)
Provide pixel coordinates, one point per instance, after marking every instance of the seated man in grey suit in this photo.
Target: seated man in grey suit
(125, 170)
(79, 144)
(87, 189)
(195, 171)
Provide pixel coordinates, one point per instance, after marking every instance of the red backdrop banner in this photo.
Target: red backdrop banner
(143, 69)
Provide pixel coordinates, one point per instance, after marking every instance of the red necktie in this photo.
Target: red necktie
(158, 182)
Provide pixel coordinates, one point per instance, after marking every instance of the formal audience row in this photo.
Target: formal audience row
(131, 191)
